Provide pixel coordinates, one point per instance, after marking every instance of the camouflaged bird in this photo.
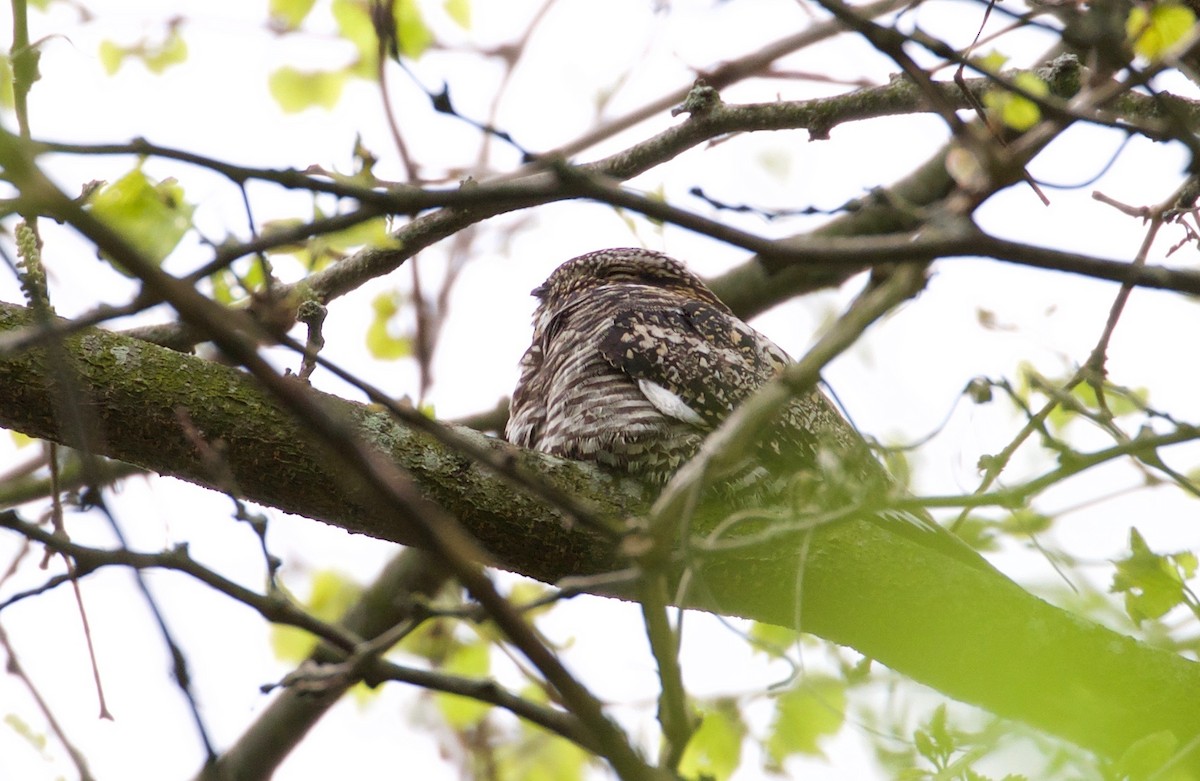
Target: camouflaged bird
(634, 361)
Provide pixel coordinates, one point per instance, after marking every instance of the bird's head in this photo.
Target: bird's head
(622, 266)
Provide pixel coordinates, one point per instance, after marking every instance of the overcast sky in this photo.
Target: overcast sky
(900, 383)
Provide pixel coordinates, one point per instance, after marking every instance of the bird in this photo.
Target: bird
(634, 361)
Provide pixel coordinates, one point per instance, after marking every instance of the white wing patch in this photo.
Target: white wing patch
(669, 403)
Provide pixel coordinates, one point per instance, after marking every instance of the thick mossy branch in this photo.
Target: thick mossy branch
(969, 633)
(136, 395)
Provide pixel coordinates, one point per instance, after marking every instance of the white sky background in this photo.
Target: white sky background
(899, 383)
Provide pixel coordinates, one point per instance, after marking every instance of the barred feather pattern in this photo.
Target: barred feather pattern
(571, 402)
(634, 361)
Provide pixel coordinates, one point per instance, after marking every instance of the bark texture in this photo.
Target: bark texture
(971, 634)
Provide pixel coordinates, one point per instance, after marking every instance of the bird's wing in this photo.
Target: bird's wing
(706, 361)
(695, 363)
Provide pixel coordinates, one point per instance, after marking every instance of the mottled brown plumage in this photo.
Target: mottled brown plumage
(634, 361)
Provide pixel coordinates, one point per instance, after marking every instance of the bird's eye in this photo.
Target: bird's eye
(614, 273)
(631, 275)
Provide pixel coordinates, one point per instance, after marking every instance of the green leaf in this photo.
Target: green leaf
(380, 341)
(434, 640)
(111, 56)
(331, 595)
(1125, 401)
(315, 253)
(935, 741)
(1060, 416)
(471, 660)
(1186, 562)
(523, 593)
(715, 750)
(272, 228)
(296, 90)
(1026, 521)
(173, 51)
(36, 740)
(412, 32)
(373, 233)
(991, 62)
(772, 639)
(254, 279)
(1152, 583)
(289, 14)
(1085, 394)
(1156, 31)
(540, 757)
(1017, 111)
(229, 288)
(157, 57)
(805, 714)
(1119, 401)
(151, 215)
(354, 23)
(353, 19)
(222, 290)
(459, 11)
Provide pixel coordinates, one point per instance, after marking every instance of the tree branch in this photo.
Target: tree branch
(973, 635)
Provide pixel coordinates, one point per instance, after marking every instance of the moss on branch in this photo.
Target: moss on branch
(973, 635)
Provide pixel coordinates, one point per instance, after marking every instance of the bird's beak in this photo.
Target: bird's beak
(540, 291)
